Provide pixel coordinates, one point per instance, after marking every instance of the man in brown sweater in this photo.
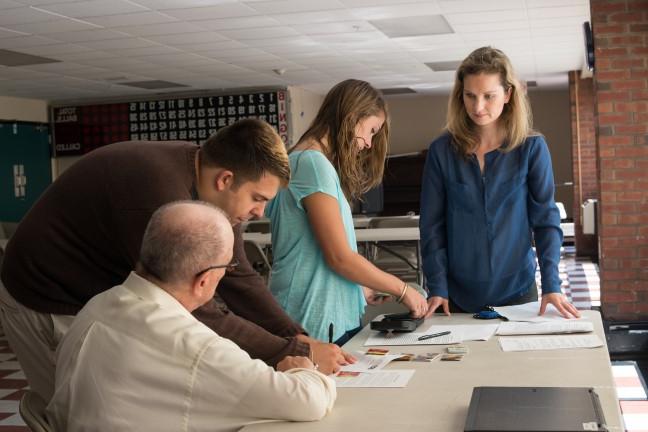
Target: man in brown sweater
(84, 233)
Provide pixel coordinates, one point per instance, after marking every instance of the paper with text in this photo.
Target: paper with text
(529, 312)
(382, 378)
(369, 363)
(549, 343)
(547, 327)
(458, 333)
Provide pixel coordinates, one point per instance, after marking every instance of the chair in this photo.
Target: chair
(32, 410)
(257, 257)
(400, 258)
(259, 225)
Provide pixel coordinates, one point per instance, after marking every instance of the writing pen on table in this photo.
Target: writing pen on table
(433, 335)
(331, 333)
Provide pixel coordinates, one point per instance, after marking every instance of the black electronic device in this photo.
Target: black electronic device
(538, 409)
(589, 45)
(397, 323)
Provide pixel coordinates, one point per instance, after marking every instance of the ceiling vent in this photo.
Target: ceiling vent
(152, 85)
(444, 66)
(413, 26)
(13, 58)
(397, 91)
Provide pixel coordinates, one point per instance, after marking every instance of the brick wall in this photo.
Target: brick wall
(620, 30)
(584, 157)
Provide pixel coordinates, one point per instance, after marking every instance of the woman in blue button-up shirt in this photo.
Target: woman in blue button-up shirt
(487, 195)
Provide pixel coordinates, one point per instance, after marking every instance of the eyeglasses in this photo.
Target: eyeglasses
(228, 267)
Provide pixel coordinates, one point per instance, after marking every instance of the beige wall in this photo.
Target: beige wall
(415, 121)
(303, 108)
(31, 110)
(552, 117)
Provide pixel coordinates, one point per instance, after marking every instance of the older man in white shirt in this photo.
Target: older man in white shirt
(136, 359)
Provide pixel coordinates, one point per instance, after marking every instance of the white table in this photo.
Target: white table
(437, 396)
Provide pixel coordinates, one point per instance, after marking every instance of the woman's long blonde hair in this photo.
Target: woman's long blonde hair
(515, 120)
(344, 106)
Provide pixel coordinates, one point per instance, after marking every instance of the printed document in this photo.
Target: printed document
(458, 333)
(529, 312)
(382, 378)
(369, 363)
(547, 327)
(549, 343)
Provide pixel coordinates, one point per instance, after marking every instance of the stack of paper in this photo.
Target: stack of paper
(553, 327)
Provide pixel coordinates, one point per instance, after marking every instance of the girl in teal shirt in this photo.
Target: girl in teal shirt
(317, 274)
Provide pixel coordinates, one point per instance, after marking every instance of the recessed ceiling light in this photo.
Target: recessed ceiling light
(413, 26)
(444, 66)
(14, 58)
(153, 84)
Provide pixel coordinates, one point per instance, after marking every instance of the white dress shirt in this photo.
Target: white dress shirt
(136, 360)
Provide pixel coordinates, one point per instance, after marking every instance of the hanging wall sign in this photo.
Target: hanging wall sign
(80, 129)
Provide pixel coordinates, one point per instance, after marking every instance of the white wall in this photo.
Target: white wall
(303, 109)
(31, 110)
(415, 121)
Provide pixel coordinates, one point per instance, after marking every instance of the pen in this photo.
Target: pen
(331, 333)
(433, 335)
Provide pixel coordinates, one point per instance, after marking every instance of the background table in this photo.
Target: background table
(437, 396)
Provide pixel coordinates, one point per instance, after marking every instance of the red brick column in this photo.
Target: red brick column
(620, 30)
(584, 157)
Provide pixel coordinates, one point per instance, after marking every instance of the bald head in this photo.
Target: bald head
(184, 237)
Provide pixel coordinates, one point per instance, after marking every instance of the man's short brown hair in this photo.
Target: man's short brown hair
(249, 148)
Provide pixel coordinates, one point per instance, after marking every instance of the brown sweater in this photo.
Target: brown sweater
(83, 236)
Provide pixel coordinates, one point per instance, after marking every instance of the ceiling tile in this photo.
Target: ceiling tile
(160, 29)
(479, 6)
(188, 38)
(131, 19)
(80, 9)
(238, 23)
(314, 17)
(25, 41)
(24, 15)
(9, 4)
(88, 35)
(226, 10)
(180, 4)
(287, 6)
(118, 44)
(54, 26)
(259, 33)
(333, 27)
(396, 11)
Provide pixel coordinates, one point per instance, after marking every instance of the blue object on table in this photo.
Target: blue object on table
(488, 313)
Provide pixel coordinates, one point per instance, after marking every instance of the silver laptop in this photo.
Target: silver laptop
(538, 409)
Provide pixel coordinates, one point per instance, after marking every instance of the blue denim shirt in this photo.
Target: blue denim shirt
(477, 228)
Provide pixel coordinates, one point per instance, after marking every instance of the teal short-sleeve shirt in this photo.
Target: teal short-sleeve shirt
(304, 285)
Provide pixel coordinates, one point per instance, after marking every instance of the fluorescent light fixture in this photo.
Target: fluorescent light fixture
(14, 58)
(413, 26)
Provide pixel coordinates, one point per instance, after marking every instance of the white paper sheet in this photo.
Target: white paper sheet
(369, 363)
(382, 378)
(458, 333)
(548, 327)
(549, 343)
(529, 312)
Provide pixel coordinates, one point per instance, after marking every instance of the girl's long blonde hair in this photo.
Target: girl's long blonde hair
(515, 120)
(344, 106)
